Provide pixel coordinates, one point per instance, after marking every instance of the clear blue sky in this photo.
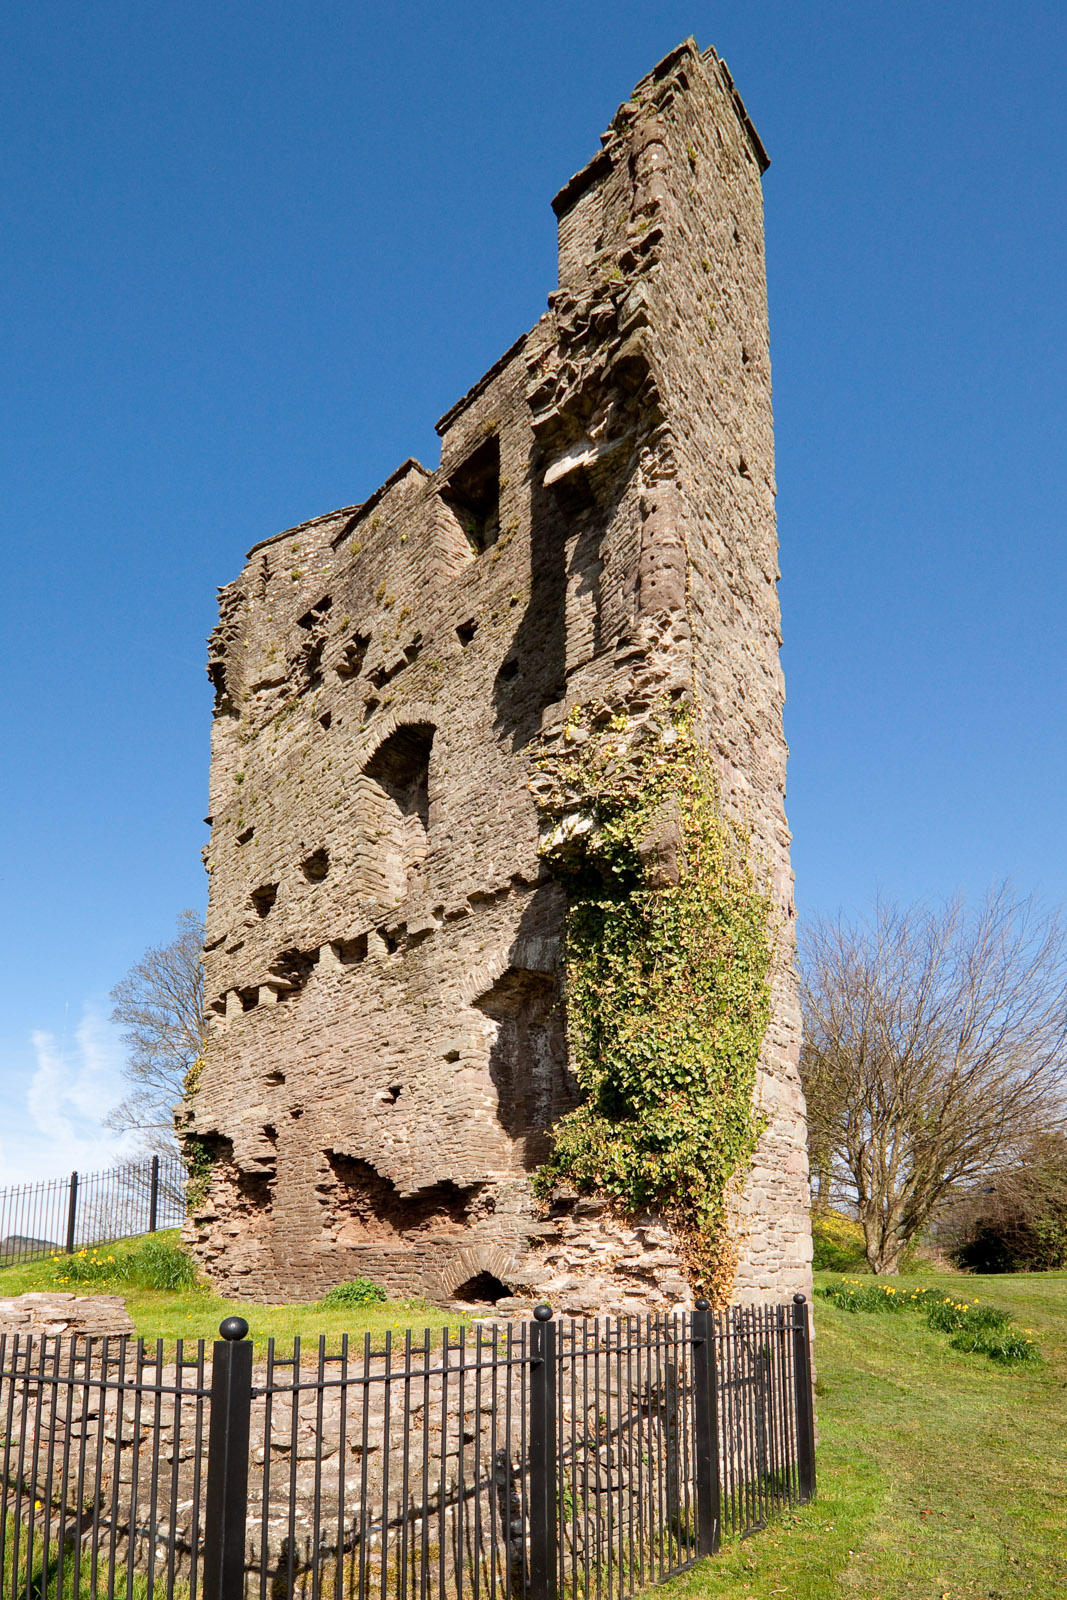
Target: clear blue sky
(251, 253)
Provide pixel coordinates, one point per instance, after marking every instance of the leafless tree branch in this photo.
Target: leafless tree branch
(160, 1007)
(935, 1046)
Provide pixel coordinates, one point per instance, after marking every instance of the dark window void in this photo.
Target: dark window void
(528, 1060)
(312, 618)
(484, 1289)
(264, 897)
(466, 631)
(393, 811)
(472, 493)
(290, 971)
(351, 951)
(401, 766)
(350, 663)
(316, 866)
(369, 1207)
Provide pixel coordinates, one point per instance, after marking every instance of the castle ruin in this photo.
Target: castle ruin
(387, 1047)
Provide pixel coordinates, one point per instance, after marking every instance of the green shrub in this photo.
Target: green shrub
(837, 1243)
(359, 1292)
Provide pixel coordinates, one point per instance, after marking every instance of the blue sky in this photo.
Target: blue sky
(252, 252)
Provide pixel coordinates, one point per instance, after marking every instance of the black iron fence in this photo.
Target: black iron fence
(530, 1461)
(90, 1208)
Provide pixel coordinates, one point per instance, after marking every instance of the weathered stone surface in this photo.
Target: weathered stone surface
(388, 1045)
(51, 1312)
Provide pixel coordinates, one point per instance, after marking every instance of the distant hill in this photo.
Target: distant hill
(17, 1246)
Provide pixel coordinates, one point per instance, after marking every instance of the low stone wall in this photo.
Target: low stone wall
(49, 1311)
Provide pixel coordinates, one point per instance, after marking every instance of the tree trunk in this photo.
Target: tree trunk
(883, 1245)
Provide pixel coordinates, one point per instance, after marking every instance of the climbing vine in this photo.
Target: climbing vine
(667, 958)
(200, 1158)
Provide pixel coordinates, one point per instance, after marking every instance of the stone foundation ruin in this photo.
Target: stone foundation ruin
(387, 1048)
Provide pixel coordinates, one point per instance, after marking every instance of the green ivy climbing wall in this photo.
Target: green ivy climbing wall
(667, 959)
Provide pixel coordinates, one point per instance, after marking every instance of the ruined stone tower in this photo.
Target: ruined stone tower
(387, 1046)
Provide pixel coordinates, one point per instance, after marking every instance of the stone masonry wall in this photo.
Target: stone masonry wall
(387, 1049)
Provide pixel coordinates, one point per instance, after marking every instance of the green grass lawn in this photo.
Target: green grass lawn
(195, 1313)
(941, 1475)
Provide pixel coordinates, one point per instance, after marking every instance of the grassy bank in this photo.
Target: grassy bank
(194, 1312)
(941, 1475)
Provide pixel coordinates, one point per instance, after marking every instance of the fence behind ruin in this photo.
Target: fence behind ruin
(37, 1219)
(532, 1461)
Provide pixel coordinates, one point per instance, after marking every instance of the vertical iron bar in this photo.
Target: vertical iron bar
(387, 1396)
(442, 1496)
(656, 1354)
(268, 1432)
(317, 1540)
(598, 1559)
(542, 1455)
(20, 1468)
(115, 1512)
(64, 1466)
(135, 1463)
(342, 1451)
(633, 1448)
(490, 1520)
(72, 1212)
(175, 1456)
(424, 1541)
(639, 1394)
(744, 1372)
(227, 1462)
(461, 1478)
(98, 1468)
(294, 1437)
(620, 1478)
(791, 1406)
(364, 1519)
(476, 1468)
(404, 1501)
(805, 1403)
(153, 1197)
(588, 1527)
(524, 1482)
(707, 1432)
(198, 1470)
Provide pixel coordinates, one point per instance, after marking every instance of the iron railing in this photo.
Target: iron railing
(68, 1214)
(550, 1460)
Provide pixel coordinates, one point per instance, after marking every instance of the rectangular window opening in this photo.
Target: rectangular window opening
(472, 493)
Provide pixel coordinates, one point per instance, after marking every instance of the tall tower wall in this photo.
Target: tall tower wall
(387, 1050)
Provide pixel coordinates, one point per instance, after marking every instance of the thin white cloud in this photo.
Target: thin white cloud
(74, 1085)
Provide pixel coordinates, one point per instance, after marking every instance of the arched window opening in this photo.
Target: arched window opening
(483, 1289)
(395, 810)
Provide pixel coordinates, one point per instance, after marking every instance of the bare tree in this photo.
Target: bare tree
(935, 1042)
(160, 1007)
